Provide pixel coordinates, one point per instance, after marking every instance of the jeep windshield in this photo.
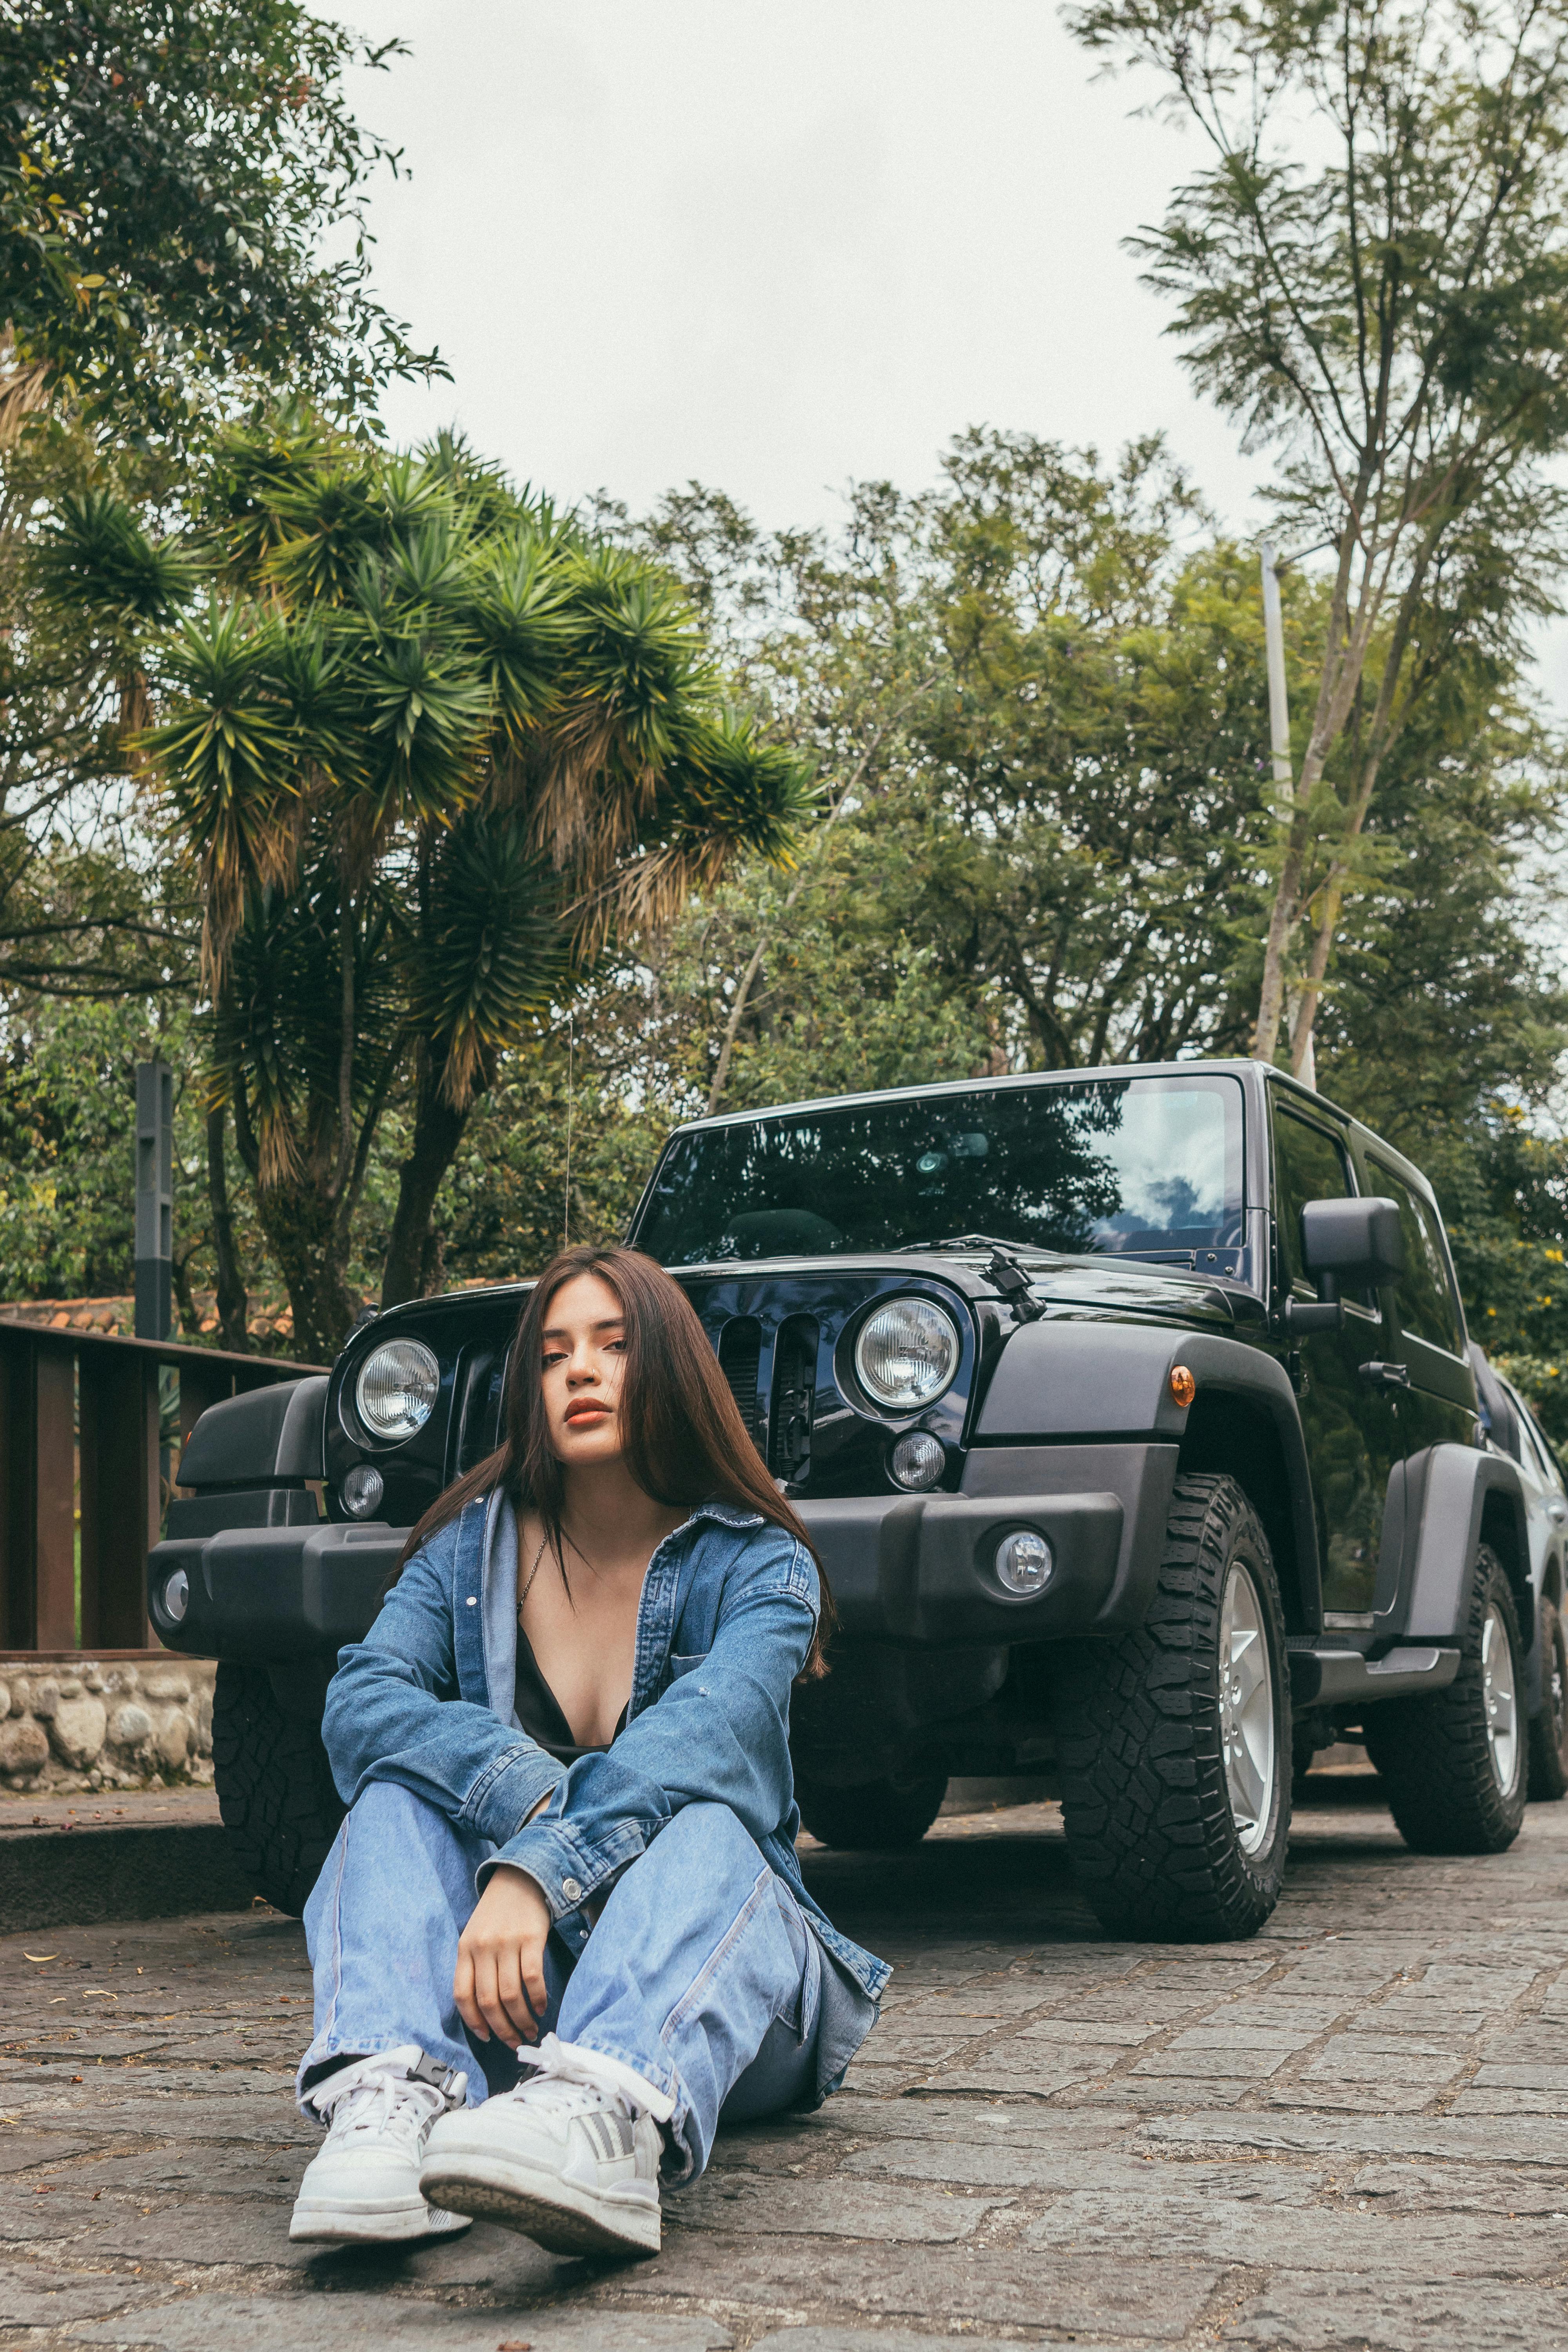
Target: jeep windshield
(1130, 1167)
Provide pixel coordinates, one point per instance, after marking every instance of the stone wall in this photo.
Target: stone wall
(143, 1724)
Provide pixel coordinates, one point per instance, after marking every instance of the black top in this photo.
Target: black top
(540, 1713)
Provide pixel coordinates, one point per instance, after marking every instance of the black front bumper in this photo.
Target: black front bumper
(270, 1593)
(903, 1569)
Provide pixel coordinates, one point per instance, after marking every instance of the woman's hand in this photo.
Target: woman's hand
(500, 1982)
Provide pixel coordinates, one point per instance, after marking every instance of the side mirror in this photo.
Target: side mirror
(1356, 1244)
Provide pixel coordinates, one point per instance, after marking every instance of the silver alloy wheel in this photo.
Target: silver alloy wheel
(1502, 1705)
(1245, 1709)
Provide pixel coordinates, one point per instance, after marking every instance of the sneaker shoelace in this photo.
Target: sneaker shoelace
(566, 2097)
(386, 2103)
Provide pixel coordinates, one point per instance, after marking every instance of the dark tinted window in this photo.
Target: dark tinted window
(1309, 1165)
(1135, 1166)
(1426, 1302)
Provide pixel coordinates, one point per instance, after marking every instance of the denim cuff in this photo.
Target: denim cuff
(565, 1872)
(504, 1796)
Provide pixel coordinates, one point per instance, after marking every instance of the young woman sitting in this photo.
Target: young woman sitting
(562, 1932)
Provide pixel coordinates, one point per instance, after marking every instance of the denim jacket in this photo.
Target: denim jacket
(729, 1605)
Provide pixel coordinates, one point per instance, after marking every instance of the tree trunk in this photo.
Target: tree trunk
(303, 1230)
(413, 1260)
(232, 1302)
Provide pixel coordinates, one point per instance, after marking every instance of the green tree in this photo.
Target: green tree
(1370, 275)
(169, 171)
(428, 750)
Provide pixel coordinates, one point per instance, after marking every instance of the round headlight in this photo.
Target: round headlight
(362, 1489)
(176, 1596)
(907, 1354)
(397, 1387)
(918, 1460)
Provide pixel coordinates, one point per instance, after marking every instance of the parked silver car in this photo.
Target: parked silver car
(1513, 1429)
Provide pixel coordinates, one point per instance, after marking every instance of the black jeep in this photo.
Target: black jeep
(1131, 1414)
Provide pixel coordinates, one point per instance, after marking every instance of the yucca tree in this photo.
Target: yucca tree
(430, 749)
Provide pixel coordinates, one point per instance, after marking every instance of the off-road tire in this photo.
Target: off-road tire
(275, 1790)
(875, 1817)
(1433, 1755)
(1144, 1801)
(1549, 1729)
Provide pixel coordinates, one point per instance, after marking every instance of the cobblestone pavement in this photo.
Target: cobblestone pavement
(1352, 2132)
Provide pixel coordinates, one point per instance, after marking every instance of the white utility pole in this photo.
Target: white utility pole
(1279, 712)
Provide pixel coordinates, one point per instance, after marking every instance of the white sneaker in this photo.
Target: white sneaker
(363, 2188)
(570, 2157)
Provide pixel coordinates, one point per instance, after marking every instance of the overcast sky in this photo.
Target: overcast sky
(774, 247)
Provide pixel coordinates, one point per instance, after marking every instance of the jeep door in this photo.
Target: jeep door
(1351, 1428)
(1429, 1327)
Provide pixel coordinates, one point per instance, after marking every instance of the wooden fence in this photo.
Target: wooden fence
(86, 1424)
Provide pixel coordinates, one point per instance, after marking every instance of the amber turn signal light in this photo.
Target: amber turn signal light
(1183, 1388)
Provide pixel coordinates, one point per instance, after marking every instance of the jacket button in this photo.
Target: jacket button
(572, 1889)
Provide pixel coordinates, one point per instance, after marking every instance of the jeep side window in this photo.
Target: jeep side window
(1309, 1166)
(1425, 1301)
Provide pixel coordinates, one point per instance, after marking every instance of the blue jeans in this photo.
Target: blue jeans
(700, 1974)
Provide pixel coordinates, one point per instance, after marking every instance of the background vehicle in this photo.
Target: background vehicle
(1514, 1430)
(1131, 1411)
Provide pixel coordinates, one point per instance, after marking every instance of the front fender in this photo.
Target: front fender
(1059, 1379)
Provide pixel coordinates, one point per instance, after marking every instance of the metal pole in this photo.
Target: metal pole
(154, 1199)
(1279, 721)
(1273, 643)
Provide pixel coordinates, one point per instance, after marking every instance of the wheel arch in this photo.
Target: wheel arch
(1236, 1437)
(1106, 1378)
(1459, 1497)
(1244, 1421)
(1506, 1530)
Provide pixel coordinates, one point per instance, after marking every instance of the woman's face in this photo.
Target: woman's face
(584, 1356)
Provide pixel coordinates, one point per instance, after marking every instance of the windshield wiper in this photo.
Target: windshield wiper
(965, 1242)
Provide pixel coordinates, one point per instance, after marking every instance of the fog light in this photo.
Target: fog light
(918, 1459)
(176, 1596)
(362, 1489)
(1024, 1563)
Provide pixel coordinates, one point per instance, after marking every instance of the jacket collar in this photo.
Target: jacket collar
(728, 1515)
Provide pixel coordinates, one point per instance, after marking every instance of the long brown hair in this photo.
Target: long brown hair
(685, 1440)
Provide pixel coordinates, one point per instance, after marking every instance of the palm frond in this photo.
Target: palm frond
(258, 469)
(517, 614)
(430, 713)
(497, 953)
(327, 524)
(634, 663)
(230, 763)
(95, 555)
(728, 793)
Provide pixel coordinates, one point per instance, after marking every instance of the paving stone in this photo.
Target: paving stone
(1309, 2313)
(881, 2339)
(1520, 2143)
(31, 2296)
(1243, 2059)
(1464, 2189)
(837, 2209)
(282, 2323)
(1004, 2286)
(1332, 2235)
(19, 2151)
